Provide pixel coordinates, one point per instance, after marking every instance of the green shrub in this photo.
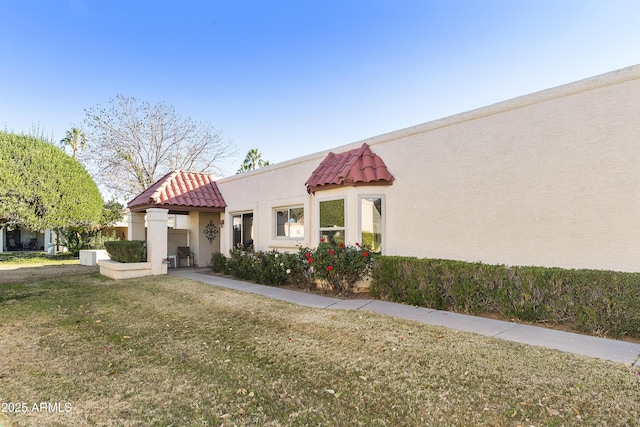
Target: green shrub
(600, 302)
(97, 240)
(273, 267)
(243, 264)
(299, 273)
(269, 268)
(340, 266)
(218, 263)
(126, 250)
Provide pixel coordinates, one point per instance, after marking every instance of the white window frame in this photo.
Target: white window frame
(383, 221)
(275, 222)
(242, 237)
(344, 217)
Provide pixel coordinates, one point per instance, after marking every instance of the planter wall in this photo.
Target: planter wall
(118, 270)
(91, 257)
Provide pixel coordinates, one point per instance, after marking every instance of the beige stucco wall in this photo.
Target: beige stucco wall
(550, 179)
(176, 238)
(200, 245)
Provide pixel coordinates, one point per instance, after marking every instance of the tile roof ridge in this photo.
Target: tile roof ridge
(165, 180)
(355, 156)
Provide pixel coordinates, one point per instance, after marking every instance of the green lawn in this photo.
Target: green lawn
(166, 351)
(35, 258)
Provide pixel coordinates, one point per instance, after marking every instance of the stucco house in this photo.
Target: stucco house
(550, 179)
(16, 238)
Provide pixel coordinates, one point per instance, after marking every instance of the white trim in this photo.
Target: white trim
(383, 203)
(253, 226)
(274, 222)
(319, 229)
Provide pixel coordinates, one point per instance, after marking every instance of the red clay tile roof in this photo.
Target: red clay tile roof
(181, 191)
(352, 168)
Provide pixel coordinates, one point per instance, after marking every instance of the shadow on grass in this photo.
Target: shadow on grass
(16, 273)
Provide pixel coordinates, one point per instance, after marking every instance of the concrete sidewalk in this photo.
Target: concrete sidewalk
(601, 348)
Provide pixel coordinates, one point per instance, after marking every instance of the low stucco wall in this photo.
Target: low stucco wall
(91, 257)
(118, 270)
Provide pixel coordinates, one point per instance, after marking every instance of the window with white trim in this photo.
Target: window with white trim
(290, 222)
(332, 223)
(371, 223)
(242, 230)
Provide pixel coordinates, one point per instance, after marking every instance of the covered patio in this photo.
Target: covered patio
(179, 217)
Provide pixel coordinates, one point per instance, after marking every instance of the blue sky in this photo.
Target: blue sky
(295, 77)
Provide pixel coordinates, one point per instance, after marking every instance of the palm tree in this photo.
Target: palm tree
(75, 139)
(253, 161)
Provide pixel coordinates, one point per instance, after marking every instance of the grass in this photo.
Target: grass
(35, 258)
(164, 351)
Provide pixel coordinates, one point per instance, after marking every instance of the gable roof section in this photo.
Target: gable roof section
(359, 166)
(181, 191)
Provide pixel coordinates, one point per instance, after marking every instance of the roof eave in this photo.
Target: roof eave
(380, 183)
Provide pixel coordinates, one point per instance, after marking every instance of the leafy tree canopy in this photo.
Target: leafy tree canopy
(76, 139)
(252, 161)
(42, 187)
(112, 212)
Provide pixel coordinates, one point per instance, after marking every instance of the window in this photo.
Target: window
(243, 230)
(371, 223)
(290, 222)
(332, 221)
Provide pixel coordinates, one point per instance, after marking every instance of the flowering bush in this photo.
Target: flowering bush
(275, 267)
(340, 266)
(270, 268)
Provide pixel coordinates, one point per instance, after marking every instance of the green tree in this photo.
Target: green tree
(252, 161)
(76, 139)
(42, 187)
(112, 212)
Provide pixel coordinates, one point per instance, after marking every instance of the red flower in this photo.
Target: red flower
(322, 240)
(357, 244)
(329, 268)
(332, 252)
(365, 253)
(342, 245)
(310, 260)
(307, 255)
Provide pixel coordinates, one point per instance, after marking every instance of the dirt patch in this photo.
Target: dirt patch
(15, 273)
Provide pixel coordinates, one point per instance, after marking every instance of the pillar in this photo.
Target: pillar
(157, 223)
(136, 226)
(49, 242)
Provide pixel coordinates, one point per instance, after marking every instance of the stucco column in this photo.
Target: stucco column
(49, 242)
(157, 239)
(2, 239)
(136, 226)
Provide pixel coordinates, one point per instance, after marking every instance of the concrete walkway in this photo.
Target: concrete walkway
(614, 350)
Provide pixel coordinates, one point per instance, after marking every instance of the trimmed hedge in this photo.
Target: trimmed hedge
(126, 250)
(596, 301)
